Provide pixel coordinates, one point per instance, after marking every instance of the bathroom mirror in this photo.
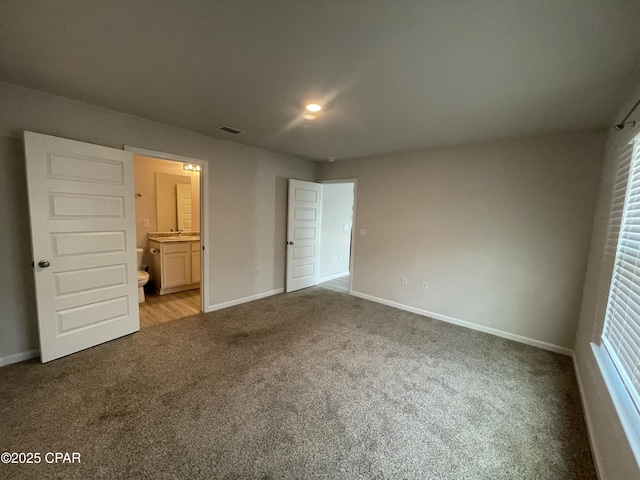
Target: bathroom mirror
(168, 202)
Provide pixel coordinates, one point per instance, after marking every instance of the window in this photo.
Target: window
(619, 354)
(621, 333)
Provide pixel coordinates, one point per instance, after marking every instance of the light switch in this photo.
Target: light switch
(345, 226)
(145, 223)
(363, 232)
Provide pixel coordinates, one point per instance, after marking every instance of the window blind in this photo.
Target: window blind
(621, 332)
(623, 162)
(617, 195)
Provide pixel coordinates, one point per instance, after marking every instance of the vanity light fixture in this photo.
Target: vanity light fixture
(191, 167)
(314, 107)
(309, 116)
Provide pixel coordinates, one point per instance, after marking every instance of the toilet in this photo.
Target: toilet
(143, 277)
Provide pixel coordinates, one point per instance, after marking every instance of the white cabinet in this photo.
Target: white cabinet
(195, 262)
(176, 266)
(176, 269)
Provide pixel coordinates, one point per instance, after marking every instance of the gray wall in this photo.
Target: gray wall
(500, 230)
(335, 241)
(247, 199)
(609, 444)
(18, 331)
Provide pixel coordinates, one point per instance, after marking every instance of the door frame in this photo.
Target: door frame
(353, 225)
(204, 211)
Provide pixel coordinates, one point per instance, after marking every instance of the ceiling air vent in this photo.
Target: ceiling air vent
(232, 131)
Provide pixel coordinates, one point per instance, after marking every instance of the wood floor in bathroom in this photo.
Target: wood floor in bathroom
(164, 308)
(341, 284)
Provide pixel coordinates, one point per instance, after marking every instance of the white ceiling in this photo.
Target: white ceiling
(392, 75)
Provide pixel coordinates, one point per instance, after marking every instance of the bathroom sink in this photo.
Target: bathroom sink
(182, 238)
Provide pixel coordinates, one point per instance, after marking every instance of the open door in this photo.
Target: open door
(185, 215)
(303, 234)
(82, 212)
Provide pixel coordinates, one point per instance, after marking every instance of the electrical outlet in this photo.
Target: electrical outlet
(405, 281)
(145, 223)
(425, 285)
(363, 232)
(258, 271)
(340, 257)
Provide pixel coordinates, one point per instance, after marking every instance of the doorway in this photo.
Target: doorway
(170, 192)
(83, 237)
(320, 247)
(336, 237)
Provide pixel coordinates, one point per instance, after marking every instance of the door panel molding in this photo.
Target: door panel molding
(303, 234)
(81, 205)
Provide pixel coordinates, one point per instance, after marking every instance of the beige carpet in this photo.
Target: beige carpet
(314, 384)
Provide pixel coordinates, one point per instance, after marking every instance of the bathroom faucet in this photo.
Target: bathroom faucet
(178, 232)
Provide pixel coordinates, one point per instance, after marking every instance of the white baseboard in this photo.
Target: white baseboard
(474, 326)
(595, 451)
(19, 357)
(238, 301)
(333, 277)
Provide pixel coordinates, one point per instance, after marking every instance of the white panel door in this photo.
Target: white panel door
(303, 234)
(184, 207)
(82, 212)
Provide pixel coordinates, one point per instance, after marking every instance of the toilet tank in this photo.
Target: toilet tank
(140, 253)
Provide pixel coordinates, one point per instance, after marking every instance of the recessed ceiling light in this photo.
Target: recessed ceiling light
(309, 116)
(314, 107)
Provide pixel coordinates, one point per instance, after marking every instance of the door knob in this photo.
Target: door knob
(43, 264)
(289, 243)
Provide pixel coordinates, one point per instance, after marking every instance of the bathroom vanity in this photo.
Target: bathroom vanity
(175, 263)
